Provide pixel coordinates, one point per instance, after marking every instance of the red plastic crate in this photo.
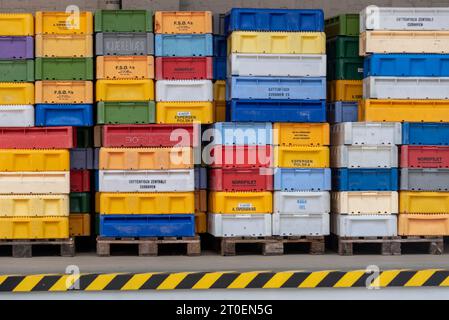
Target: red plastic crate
(184, 68)
(152, 135)
(37, 138)
(241, 157)
(252, 179)
(424, 157)
(79, 181)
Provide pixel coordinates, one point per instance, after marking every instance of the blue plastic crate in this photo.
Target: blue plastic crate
(276, 111)
(365, 179)
(303, 88)
(182, 225)
(219, 68)
(76, 115)
(406, 65)
(342, 111)
(200, 178)
(302, 179)
(184, 45)
(243, 133)
(220, 46)
(427, 134)
(289, 20)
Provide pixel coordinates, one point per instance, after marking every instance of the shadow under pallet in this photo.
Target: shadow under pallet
(24, 248)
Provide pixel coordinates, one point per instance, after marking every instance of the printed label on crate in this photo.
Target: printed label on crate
(125, 69)
(423, 161)
(64, 94)
(244, 207)
(302, 163)
(185, 116)
(360, 70)
(127, 45)
(302, 204)
(244, 183)
(277, 92)
(148, 184)
(415, 21)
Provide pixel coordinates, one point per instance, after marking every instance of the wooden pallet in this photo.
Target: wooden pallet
(433, 244)
(149, 247)
(270, 245)
(24, 248)
(345, 245)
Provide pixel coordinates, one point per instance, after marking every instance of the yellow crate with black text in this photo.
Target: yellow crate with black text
(240, 202)
(301, 134)
(301, 157)
(184, 112)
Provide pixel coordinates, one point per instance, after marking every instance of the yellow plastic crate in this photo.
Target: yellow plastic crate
(184, 112)
(423, 225)
(301, 134)
(79, 225)
(34, 205)
(404, 110)
(345, 90)
(423, 202)
(240, 202)
(125, 67)
(220, 90)
(145, 158)
(64, 92)
(183, 22)
(146, 203)
(200, 201)
(16, 93)
(125, 90)
(220, 111)
(16, 24)
(64, 46)
(301, 157)
(53, 22)
(34, 160)
(34, 228)
(200, 222)
(277, 42)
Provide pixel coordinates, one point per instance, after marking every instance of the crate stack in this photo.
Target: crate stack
(185, 69)
(184, 50)
(146, 178)
(344, 67)
(64, 97)
(406, 79)
(274, 75)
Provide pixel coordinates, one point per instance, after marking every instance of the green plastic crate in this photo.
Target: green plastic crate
(80, 202)
(123, 21)
(84, 137)
(345, 69)
(126, 112)
(16, 70)
(343, 25)
(342, 47)
(64, 69)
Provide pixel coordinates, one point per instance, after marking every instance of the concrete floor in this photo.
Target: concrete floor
(90, 263)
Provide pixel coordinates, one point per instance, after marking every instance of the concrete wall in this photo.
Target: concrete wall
(331, 7)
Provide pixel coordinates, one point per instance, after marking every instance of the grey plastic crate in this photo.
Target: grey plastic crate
(425, 179)
(82, 159)
(200, 178)
(124, 44)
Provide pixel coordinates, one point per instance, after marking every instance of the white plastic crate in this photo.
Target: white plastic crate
(146, 180)
(291, 224)
(364, 226)
(277, 65)
(364, 156)
(46, 182)
(406, 88)
(301, 202)
(366, 133)
(16, 116)
(184, 90)
(239, 225)
(365, 202)
(405, 18)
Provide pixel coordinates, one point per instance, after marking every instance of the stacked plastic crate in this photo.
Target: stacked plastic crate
(406, 58)
(220, 70)
(344, 67)
(276, 73)
(184, 87)
(34, 176)
(64, 97)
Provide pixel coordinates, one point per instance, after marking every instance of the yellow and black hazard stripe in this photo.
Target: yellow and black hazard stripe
(225, 280)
